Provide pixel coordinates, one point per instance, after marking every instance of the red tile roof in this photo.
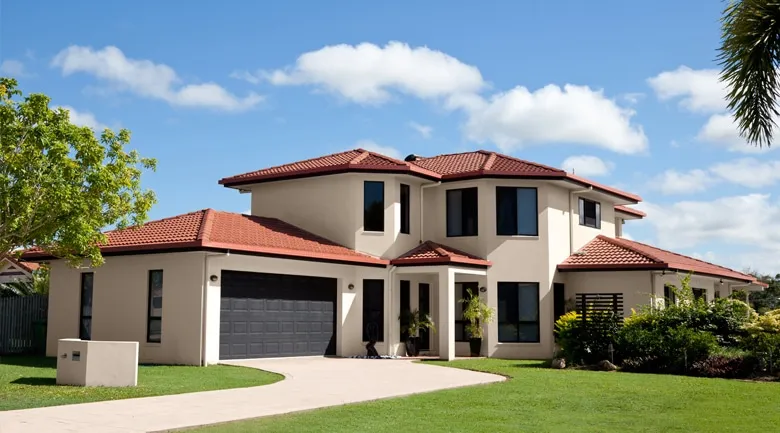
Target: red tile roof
(451, 167)
(26, 266)
(604, 253)
(631, 211)
(211, 229)
(350, 161)
(432, 253)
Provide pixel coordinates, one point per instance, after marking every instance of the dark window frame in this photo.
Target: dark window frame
(465, 215)
(519, 323)
(405, 199)
(669, 295)
(88, 334)
(379, 286)
(596, 218)
(460, 324)
(514, 210)
(149, 317)
(368, 218)
(699, 293)
(405, 294)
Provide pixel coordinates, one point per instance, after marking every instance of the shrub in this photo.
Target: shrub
(663, 350)
(763, 339)
(727, 320)
(726, 364)
(586, 341)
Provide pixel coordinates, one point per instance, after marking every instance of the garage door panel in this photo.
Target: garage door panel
(268, 315)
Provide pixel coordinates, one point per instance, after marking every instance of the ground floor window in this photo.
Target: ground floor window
(700, 294)
(154, 314)
(518, 312)
(85, 313)
(463, 291)
(373, 310)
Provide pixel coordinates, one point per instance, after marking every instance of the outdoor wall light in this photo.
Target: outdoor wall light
(483, 289)
(351, 286)
(213, 278)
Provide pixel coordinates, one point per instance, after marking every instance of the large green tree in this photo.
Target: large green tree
(60, 184)
(749, 55)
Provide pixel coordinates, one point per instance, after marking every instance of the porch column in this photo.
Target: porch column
(446, 314)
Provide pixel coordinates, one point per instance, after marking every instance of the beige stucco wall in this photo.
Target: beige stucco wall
(332, 207)
(636, 286)
(119, 305)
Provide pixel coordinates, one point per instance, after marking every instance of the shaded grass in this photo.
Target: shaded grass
(27, 382)
(537, 399)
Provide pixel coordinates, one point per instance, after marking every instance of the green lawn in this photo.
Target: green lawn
(545, 400)
(27, 382)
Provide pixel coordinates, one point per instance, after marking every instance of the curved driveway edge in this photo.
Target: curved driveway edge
(310, 383)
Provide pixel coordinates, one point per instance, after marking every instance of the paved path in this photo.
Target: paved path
(310, 383)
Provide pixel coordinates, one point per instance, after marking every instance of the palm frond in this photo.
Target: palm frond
(749, 56)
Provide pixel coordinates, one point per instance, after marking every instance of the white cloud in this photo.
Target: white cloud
(84, 118)
(148, 79)
(749, 220)
(572, 114)
(722, 130)
(708, 256)
(372, 74)
(699, 90)
(372, 146)
(367, 73)
(675, 182)
(586, 165)
(12, 68)
(246, 76)
(632, 98)
(749, 172)
(425, 131)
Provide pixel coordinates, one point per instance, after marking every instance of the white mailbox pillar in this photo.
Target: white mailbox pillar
(97, 363)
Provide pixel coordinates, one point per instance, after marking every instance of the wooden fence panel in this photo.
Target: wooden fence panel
(23, 324)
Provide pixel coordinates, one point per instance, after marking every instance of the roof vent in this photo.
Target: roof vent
(412, 157)
(580, 253)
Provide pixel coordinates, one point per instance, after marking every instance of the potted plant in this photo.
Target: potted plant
(477, 313)
(413, 322)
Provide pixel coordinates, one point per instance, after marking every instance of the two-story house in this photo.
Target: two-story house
(337, 247)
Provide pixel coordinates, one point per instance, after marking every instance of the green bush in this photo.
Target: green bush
(763, 339)
(663, 350)
(586, 341)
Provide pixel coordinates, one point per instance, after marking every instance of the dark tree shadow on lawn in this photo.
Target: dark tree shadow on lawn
(29, 361)
(35, 381)
(533, 364)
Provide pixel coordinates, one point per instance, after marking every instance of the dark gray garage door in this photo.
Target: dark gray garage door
(271, 315)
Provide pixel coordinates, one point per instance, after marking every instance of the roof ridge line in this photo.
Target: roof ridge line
(363, 155)
(204, 231)
(489, 161)
(525, 161)
(621, 243)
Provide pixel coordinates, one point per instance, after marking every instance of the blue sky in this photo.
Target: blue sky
(627, 92)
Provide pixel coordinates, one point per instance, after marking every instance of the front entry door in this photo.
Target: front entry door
(425, 308)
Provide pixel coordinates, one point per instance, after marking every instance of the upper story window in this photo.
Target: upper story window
(373, 206)
(405, 216)
(590, 213)
(517, 211)
(462, 212)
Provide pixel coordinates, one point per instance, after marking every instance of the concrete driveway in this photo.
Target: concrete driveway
(310, 383)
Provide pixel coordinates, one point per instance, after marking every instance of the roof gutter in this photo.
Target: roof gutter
(572, 194)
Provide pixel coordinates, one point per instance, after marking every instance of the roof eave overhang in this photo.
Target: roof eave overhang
(442, 261)
(230, 182)
(606, 267)
(180, 247)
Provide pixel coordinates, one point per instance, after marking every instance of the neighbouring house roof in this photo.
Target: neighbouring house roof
(28, 267)
(451, 167)
(432, 253)
(604, 253)
(210, 229)
(631, 211)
